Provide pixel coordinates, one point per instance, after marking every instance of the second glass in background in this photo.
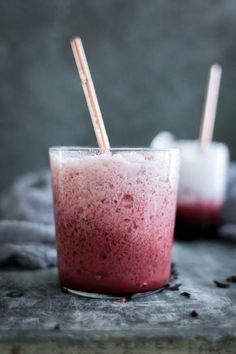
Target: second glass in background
(202, 189)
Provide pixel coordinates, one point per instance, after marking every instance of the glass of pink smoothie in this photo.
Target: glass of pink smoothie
(202, 189)
(115, 216)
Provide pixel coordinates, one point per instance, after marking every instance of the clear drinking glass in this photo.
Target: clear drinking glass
(115, 216)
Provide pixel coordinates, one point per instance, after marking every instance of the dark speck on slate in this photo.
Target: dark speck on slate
(221, 284)
(231, 279)
(57, 327)
(194, 313)
(15, 293)
(186, 294)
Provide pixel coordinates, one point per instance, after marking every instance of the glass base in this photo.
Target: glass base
(124, 297)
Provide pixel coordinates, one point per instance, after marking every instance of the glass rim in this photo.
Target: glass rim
(97, 149)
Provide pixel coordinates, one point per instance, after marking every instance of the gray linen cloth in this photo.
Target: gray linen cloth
(27, 235)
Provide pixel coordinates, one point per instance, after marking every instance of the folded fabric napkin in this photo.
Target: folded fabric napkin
(27, 235)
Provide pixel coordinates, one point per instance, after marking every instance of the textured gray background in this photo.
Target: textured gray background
(149, 60)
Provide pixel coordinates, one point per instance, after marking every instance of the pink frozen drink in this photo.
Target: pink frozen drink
(114, 215)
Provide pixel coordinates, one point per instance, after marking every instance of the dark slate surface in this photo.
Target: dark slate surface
(36, 315)
(149, 61)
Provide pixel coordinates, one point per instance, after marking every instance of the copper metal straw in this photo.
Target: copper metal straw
(90, 94)
(210, 106)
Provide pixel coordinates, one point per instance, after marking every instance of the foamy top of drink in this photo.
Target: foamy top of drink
(146, 163)
(203, 173)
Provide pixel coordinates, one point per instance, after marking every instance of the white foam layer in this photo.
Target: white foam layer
(203, 174)
(147, 165)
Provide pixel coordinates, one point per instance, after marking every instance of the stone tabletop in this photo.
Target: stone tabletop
(36, 317)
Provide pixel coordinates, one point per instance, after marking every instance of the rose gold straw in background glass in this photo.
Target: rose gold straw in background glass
(210, 107)
(90, 94)
(203, 173)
